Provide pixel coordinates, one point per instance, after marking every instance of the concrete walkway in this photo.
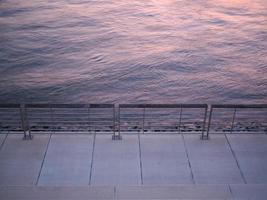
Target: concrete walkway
(149, 166)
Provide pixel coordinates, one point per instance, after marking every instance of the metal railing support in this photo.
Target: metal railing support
(116, 127)
(143, 125)
(180, 118)
(204, 125)
(27, 119)
(209, 123)
(24, 123)
(233, 121)
(88, 118)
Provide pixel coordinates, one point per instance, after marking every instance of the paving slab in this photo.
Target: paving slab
(164, 160)
(2, 139)
(212, 161)
(174, 192)
(56, 193)
(116, 162)
(20, 160)
(251, 153)
(68, 161)
(250, 191)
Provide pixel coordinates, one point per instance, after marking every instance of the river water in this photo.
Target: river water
(133, 51)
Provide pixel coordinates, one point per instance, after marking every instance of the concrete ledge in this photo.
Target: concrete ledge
(56, 193)
(174, 192)
(239, 191)
(251, 191)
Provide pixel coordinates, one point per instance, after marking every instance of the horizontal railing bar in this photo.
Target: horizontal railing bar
(71, 122)
(58, 121)
(163, 105)
(239, 106)
(67, 126)
(15, 118)
(65, 114)
(9, 105)
(69, 105)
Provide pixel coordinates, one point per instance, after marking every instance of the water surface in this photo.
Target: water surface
(134, 51)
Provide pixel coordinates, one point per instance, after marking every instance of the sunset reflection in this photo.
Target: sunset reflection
(207, 50)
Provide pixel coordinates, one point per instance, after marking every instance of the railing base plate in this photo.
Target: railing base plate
(27, 137)
(116, 137)
(204, 137)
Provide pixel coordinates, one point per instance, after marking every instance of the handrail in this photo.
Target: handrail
(10, 105)
(143, 121)
(239, 105)
(163, 105)
(69, 105)
(142, 117)
(235, 108)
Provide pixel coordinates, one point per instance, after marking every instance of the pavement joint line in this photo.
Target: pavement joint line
(92, 160)
(115, 193)
(230, 189)
(234, 155)
(47, 145)
(3, 142)
(140, 158)
(187, 157)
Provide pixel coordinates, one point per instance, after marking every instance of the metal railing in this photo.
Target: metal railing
(141, 118)
(238, 118)
(70, 117)
(11, 117)
(36, 118)
(162, 118)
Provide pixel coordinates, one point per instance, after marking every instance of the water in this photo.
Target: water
(145, 51)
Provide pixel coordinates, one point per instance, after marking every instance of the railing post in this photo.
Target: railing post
(143, 126)
(180, 119)
(89, 123)
(233, 121)
(116, 128)
(209, 123)
(52, 128)
(24, 123)
(204, 125)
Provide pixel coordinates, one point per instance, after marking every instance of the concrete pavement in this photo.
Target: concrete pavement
(145, 166)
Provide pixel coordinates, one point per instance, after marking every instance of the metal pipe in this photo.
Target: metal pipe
(233, 121)
(144, 110)
(204, 123)
(180, 119)
(209, 123)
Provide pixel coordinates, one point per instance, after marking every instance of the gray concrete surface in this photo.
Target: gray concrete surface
(68, 161)
(2, 138)
(251, 191)
(174, 192)
(251, 153)
(20, 160)
(243, 191)
(164, 160)
(212, 161)
(233, 165)
(116, 162)
(56, 193)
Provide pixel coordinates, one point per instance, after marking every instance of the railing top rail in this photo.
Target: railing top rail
(69, 105)
(239, 106)
(9, 105)
(163, 105)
